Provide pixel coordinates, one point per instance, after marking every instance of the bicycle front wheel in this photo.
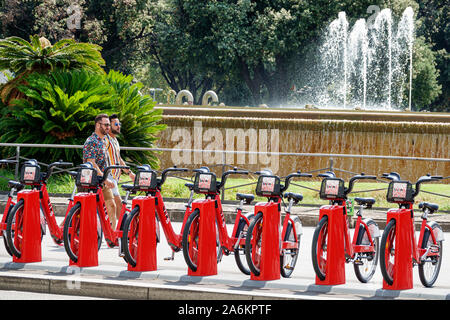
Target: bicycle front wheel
(239, 252)
(253, 244)
(319, 247)
(130, 237)
(14, 229)
(365, 263)
(71, 232)
(387, 256)
(429, 267)
(289, 257)
(190, 240)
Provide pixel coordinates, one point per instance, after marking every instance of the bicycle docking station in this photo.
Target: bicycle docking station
(31, 233)
(207, 253)
(146, 247)
(403, 267)
(88, 241)
(270, 242)
(335, 273)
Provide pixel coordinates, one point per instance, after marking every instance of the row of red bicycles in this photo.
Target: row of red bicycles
(331, 242)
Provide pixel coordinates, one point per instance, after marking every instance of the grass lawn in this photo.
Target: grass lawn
(174, 188)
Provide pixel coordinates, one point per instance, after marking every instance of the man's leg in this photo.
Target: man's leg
(110, 206)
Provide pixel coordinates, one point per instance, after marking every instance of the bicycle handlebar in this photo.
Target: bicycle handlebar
(106, 171)
(226, 173)
(166, 171)
(288, 178)
(394, 176)
(6, 161)
(427, 178)
(357, 177)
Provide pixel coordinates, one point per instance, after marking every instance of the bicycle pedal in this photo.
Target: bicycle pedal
(358, 262)
(434, 248)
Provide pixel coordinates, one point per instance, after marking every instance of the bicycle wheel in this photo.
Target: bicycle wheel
(239, 252)
(71, 232)
(288, 258)
(14, 229)
(190, 240)
(365, 263)
(253, 244)
(387, 256)
(430, 267)
(130, 236)
(5, 241)
(319, 248)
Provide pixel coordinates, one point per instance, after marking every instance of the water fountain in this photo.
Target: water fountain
(365, 66)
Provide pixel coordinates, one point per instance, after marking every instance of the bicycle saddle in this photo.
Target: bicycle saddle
(247, 197)
(431, 206)
(296, 196)
(189, 185)
(15, 184)
(128, 187)
(365, 201)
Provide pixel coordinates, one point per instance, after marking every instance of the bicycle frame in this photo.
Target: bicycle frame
(112, 236)
(9, 204)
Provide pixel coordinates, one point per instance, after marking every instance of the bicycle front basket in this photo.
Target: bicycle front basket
(145, 180)
(86, 177)
(400, 191)
(268, 186)
(205, 182)
(332, 188)
(30, 174)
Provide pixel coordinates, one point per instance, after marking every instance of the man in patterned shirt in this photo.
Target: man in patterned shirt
(94, 151)
(114, 158)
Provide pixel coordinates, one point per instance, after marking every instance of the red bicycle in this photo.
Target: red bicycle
(363, 250)
(146, 180)
(205, 183)
(32, 176)
(427, 251)
(88, 181)
(269, 186)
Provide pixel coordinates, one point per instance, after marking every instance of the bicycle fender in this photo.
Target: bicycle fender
(437, 230)
(373, 228)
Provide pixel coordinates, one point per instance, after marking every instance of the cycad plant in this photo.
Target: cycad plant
(38, 55)
(58, 108)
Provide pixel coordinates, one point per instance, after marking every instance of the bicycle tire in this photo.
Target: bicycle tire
(190, 240)
(130, 237)
(240, 251)
(288, 260)
(71, 232)
(15, 241)
(388, 246)
(319, 248)
(253, 252)
(362, 272)
(435, 261)
(5, 241)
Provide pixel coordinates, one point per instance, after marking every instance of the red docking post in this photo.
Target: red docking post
(88, 242)
(207, 254)
(403, 267)
(31, 233)
(335, 267)
(146, 258)
(270, 242)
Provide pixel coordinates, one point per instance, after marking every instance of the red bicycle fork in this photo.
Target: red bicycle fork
(9, 204)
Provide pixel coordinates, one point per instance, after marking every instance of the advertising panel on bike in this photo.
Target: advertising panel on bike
(145, 180)
(268, 186)
(30, 174)
(332, 188)
(400, 191)
(86, 177)
(205, 182)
